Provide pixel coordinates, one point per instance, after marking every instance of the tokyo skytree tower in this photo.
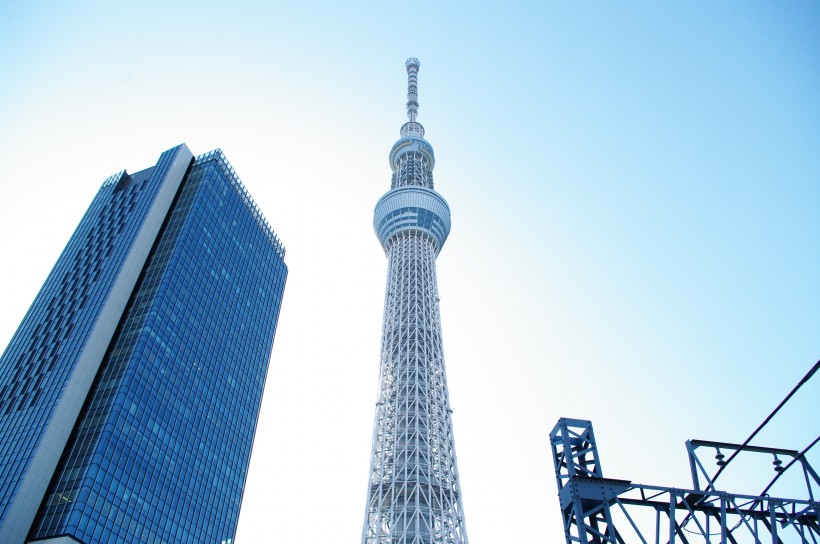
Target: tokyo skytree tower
(414, 495)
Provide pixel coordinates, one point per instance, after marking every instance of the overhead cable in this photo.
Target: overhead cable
(806, 378)
(790, 463)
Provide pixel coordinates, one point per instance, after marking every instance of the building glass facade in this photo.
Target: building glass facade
(161, 444)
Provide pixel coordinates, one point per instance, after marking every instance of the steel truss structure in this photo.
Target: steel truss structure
(601, 510)
(414, 495)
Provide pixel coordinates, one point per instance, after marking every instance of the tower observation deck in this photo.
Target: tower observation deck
(414, 496)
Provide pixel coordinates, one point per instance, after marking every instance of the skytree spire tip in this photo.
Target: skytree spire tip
(412, 65)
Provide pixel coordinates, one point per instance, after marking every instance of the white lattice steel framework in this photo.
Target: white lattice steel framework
(414, 495)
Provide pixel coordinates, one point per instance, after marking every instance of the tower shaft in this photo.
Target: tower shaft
(414, 495)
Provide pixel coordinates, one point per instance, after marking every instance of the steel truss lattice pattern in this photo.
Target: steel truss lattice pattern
(413, 493)
(601, 510)
(413, 169)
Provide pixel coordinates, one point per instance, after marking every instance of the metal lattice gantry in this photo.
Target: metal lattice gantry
(601, 510)
(414, 495)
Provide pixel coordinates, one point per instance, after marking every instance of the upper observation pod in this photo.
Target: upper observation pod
(414, 145)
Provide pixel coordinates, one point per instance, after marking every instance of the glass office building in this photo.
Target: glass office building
(129, 394)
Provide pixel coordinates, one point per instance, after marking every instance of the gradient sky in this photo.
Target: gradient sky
(634, 188)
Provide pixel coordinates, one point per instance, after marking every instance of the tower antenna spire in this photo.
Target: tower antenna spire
(412, 65)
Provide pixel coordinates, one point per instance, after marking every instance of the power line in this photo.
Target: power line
(790, 463)
(800, 384)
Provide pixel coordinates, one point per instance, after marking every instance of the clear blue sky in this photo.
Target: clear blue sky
(634, 186)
